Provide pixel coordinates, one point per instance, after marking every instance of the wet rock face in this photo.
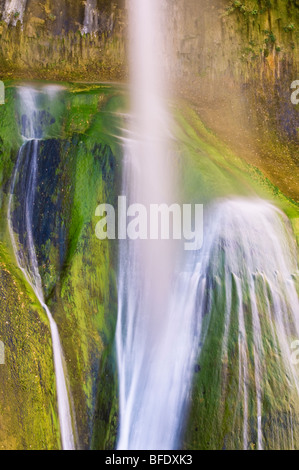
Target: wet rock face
(61, 17)
(41, 120)
(209, 41)
(49, 43)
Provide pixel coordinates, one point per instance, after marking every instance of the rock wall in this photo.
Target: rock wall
(78, 164)
(211, 41)
(49, 43)
(235, 62)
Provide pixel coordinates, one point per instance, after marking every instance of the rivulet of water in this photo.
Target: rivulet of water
(25, 253)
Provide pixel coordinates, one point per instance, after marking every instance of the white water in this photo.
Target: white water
(26, 255)
(157, 342)
(14, 11)
(163, 317)
(250, 243)
(151, 357)
(91, 17)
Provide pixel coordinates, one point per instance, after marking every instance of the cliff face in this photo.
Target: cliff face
(209, 39)
(49, 42)
(235, 61)
(216, 40)
(219, 38)
(59, 17)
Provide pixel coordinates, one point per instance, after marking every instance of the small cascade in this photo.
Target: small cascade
(14, 11)
(91, 22)
(22, 238)
(247, 272)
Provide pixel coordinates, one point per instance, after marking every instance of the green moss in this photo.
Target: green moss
(9, 138)
(81, 290)
(216, 418)
(289, 28)
(28, 398)
(211, 170)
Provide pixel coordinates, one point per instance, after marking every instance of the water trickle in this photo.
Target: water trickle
(249, 262)
(14, 11)
(91, 22)
(25, 253)
(241, 279)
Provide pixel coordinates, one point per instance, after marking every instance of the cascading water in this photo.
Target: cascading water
(151, 355)
(24, 248)
(14, 11)
(157, 341)
(91, 17)
(242, 279)
(247, 293)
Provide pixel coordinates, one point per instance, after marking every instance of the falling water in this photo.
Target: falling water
(244, 275)
(91, 17)
(247, 272)
(14, 11)
(150, 356)
(26, 168)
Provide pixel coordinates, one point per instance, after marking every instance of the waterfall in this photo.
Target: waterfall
(150, 356)
(248, 267)
(245, 274)
(250, 251)
(14, 11)
(157, 341)
(91, 17)
(24, 248)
